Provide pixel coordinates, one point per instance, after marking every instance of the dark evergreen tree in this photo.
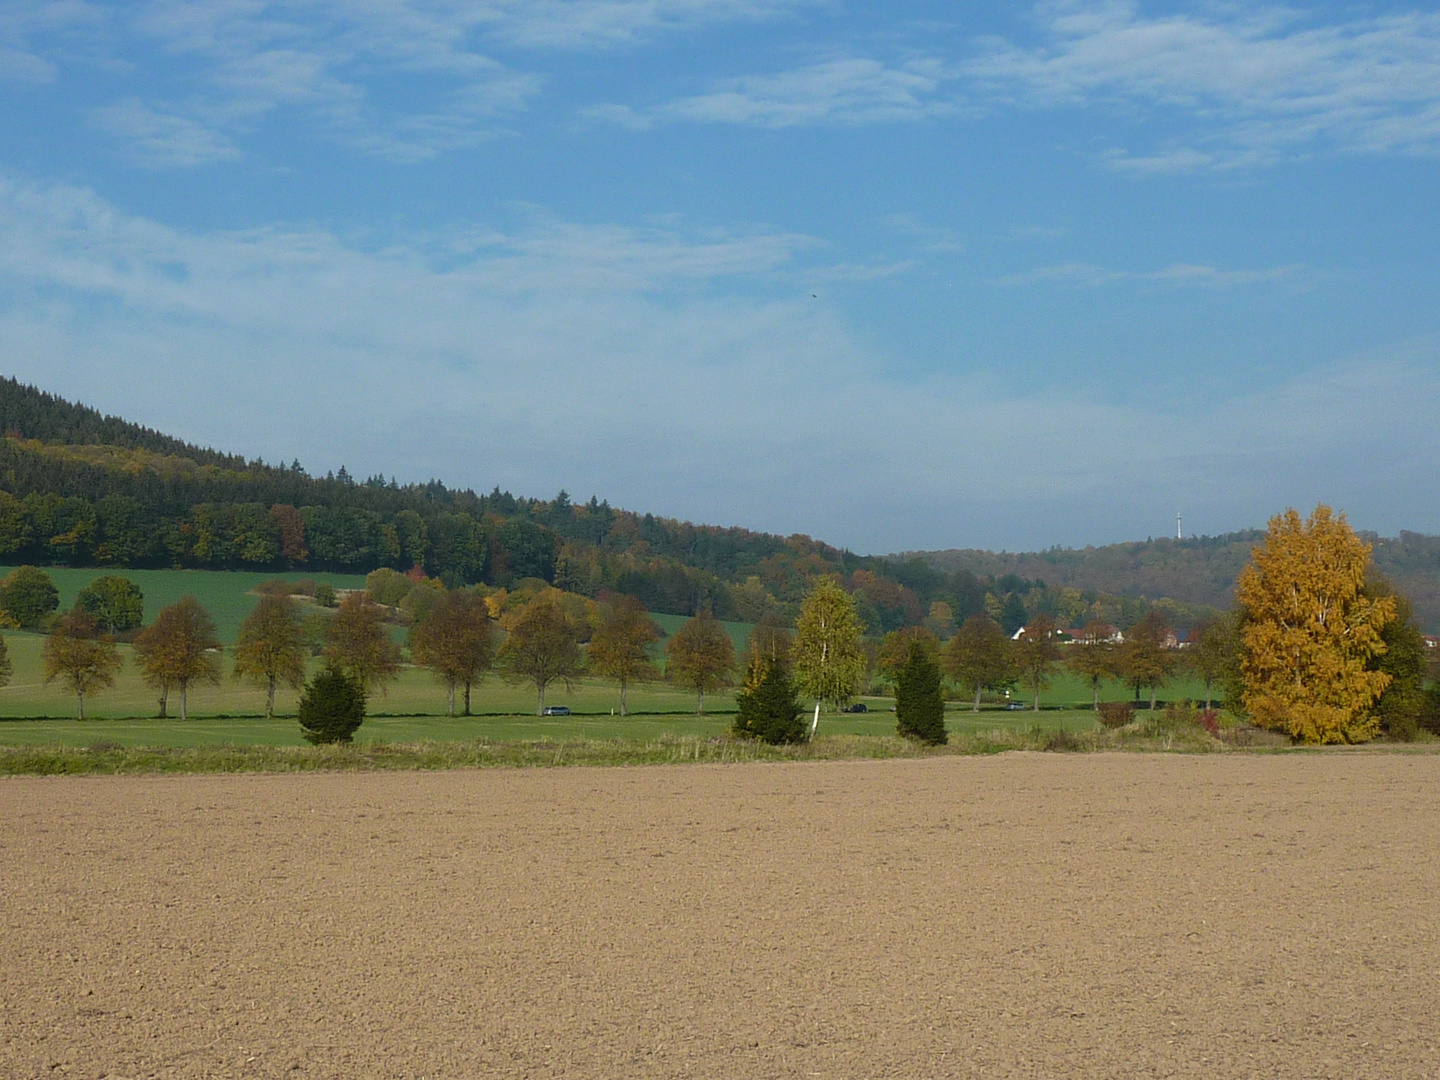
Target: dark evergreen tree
(919, 704)
(332, 708)
(1012, 615)
(771, 710)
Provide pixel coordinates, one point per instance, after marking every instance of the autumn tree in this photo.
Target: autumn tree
(1404, 704)
(619, 649)
(7, 667)
(80, 657)
(271, 647)
(540, 647)
(179, 648)
(356, 642)
(114, 602)
(894, 652)
(1092, 657)
(770, 642)
(1036, 653)
(980, 657)
(1214, 655)
(919, 702)
(1147, 658)
(457, 642)
(827, 658)
(700, 657)
(1311, 632)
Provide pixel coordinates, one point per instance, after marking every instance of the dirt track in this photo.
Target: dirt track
(1029, 915)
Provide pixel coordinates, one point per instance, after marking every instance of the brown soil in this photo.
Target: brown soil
(1021, 916)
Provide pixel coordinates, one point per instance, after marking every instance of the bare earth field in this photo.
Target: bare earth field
(1022, 915)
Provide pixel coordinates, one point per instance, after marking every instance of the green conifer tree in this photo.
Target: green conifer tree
(919, 704)
(771, 710)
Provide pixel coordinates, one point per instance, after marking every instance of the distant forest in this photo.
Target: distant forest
(1196, 571)
(79, 488)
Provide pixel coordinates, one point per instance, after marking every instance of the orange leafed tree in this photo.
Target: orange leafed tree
(1310, 630)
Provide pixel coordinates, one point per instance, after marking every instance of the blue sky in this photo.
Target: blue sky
(898, 276)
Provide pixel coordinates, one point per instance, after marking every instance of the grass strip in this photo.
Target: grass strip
(104, 758)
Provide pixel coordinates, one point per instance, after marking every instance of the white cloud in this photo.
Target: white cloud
(160, 140)
(635, 362)
(23, 21)
(1258, 82)
(1177, 274)
(855, 90)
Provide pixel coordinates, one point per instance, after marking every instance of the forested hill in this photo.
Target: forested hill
(1198, 570)
(81, 488)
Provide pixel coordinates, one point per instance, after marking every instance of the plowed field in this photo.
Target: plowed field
(1025, 915)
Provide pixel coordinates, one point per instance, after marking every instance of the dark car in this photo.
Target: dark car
(859, 706)
(1014, 706)
(556, 710)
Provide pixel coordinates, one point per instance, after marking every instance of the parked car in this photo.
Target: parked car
(859, 706)
(556, 710)
(1015, 706)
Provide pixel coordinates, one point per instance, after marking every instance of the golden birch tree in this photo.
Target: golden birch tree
(1310, 631)
(827, 657)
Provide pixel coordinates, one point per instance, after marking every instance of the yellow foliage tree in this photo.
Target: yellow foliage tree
(1310, 630)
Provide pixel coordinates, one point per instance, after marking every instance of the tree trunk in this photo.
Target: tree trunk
(467, 699)
(540, 706)
(450, 699)
(1207, 695)
(622, 699)
(270, 699)
(700, 704)
(977, 700)
(1152, 697)
(164, 700)
(1037, 696)
(81, 696)
(184, 701)
(1095, 694)
(816, 722)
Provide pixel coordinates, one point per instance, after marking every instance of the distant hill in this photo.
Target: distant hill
(1198, 570)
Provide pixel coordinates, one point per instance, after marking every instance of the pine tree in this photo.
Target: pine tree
(332, 708)
(919, 704)
(770, 711)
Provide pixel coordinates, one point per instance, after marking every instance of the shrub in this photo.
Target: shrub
(1116, 714)
(1061, 742)
(281, 587)
(29, 596)
(325, 594)
(770, 712)
(1209, 719)
(332, 708)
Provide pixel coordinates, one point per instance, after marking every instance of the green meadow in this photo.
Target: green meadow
(412, 708)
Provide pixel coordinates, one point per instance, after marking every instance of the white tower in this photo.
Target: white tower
(1178, 534)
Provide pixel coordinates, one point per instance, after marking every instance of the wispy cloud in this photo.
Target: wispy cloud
(852, 90)
(591, 24)
(1258, 83)
(22, 22)
(161, 140)
(1177, 274)
(636, 363)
